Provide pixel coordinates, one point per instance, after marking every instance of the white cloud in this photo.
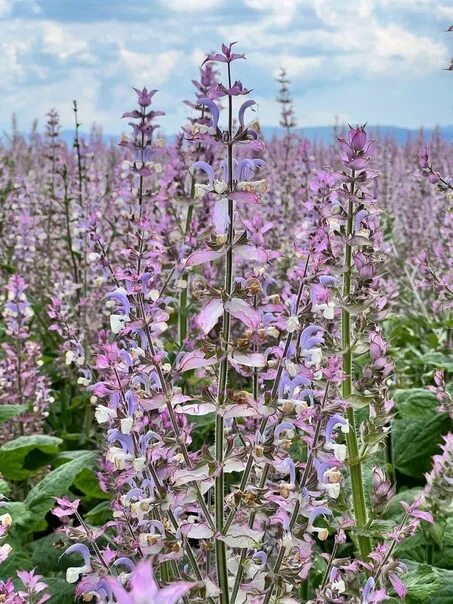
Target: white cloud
(191, 6)
(412, 53)
(155, 69)
(296, 66)
(5, 7)
(58, 41)
(287, 7)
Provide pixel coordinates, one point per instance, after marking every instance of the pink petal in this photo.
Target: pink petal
(422, 515)
(246, 196)
(195, 360)
(202, 256)
(251, 252)
(250, 359)
(240, 309)
(398, 585)
(210, 314)
(220, 216)
(172, 593)
(143, 583)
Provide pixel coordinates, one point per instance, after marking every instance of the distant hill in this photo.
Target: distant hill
(323, 134)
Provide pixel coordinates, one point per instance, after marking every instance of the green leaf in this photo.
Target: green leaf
(5, 488)
(415, 403)
(422, 583)
(417, 431)
(100, 514)
(62, 592)
(17, 560)
(88, 484)
(47, 551)
(438, 360)
(428, 585)
(13, 454)
(9, 411)
(57, 483)
(18, 511)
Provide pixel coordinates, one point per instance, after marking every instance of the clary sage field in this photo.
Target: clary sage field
(224, 360)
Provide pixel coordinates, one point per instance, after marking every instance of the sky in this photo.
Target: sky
(375, 61)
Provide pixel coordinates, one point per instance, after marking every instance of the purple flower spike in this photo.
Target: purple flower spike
(368, 591)
(120, 296)
(334, 421)
(202, 165)
(123, 561)
(318, 511)
(144, 97)
(214, 110)
(79, 548)
(242, 110)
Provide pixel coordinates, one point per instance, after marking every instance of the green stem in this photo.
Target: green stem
(355, 467)
(219, 486)
(182, 318)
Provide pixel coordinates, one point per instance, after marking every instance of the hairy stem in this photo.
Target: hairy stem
(355, 467)
(219, 487)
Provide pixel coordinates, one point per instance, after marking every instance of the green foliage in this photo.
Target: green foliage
(41, 497)
(62, 592)
(8, 412)
(21, 456)
(87, 483)
(419, 345)
(428, 585)
(417, 430)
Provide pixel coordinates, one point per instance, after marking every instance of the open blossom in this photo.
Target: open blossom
(145, 590)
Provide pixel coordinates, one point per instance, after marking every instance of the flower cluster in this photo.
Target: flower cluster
(198, 372)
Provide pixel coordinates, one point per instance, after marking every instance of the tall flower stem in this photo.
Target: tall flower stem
(355, 467)
(219, 487)
(80, 193)
(182, 318)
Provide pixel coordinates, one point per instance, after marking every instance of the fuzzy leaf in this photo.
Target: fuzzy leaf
(41, 497)
(417, 431)
(13, 454)
(9, 411)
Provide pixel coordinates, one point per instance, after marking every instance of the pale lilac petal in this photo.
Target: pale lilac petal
(398, 585)
(243, 109)
(249, 359)
(210, 314)
(121, 595)
(251, 252)
(202, 165)
(79, 548)
(319, 511)
(220, 216)
(143, 584)
(422, 515)
(246, 196)
(195, 360)
(213, 109)
(240, 309)
(202, 256)
(172, 593)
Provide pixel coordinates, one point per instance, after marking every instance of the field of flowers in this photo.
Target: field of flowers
(224, 361)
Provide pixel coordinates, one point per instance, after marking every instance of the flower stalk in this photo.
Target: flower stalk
(355, 467)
